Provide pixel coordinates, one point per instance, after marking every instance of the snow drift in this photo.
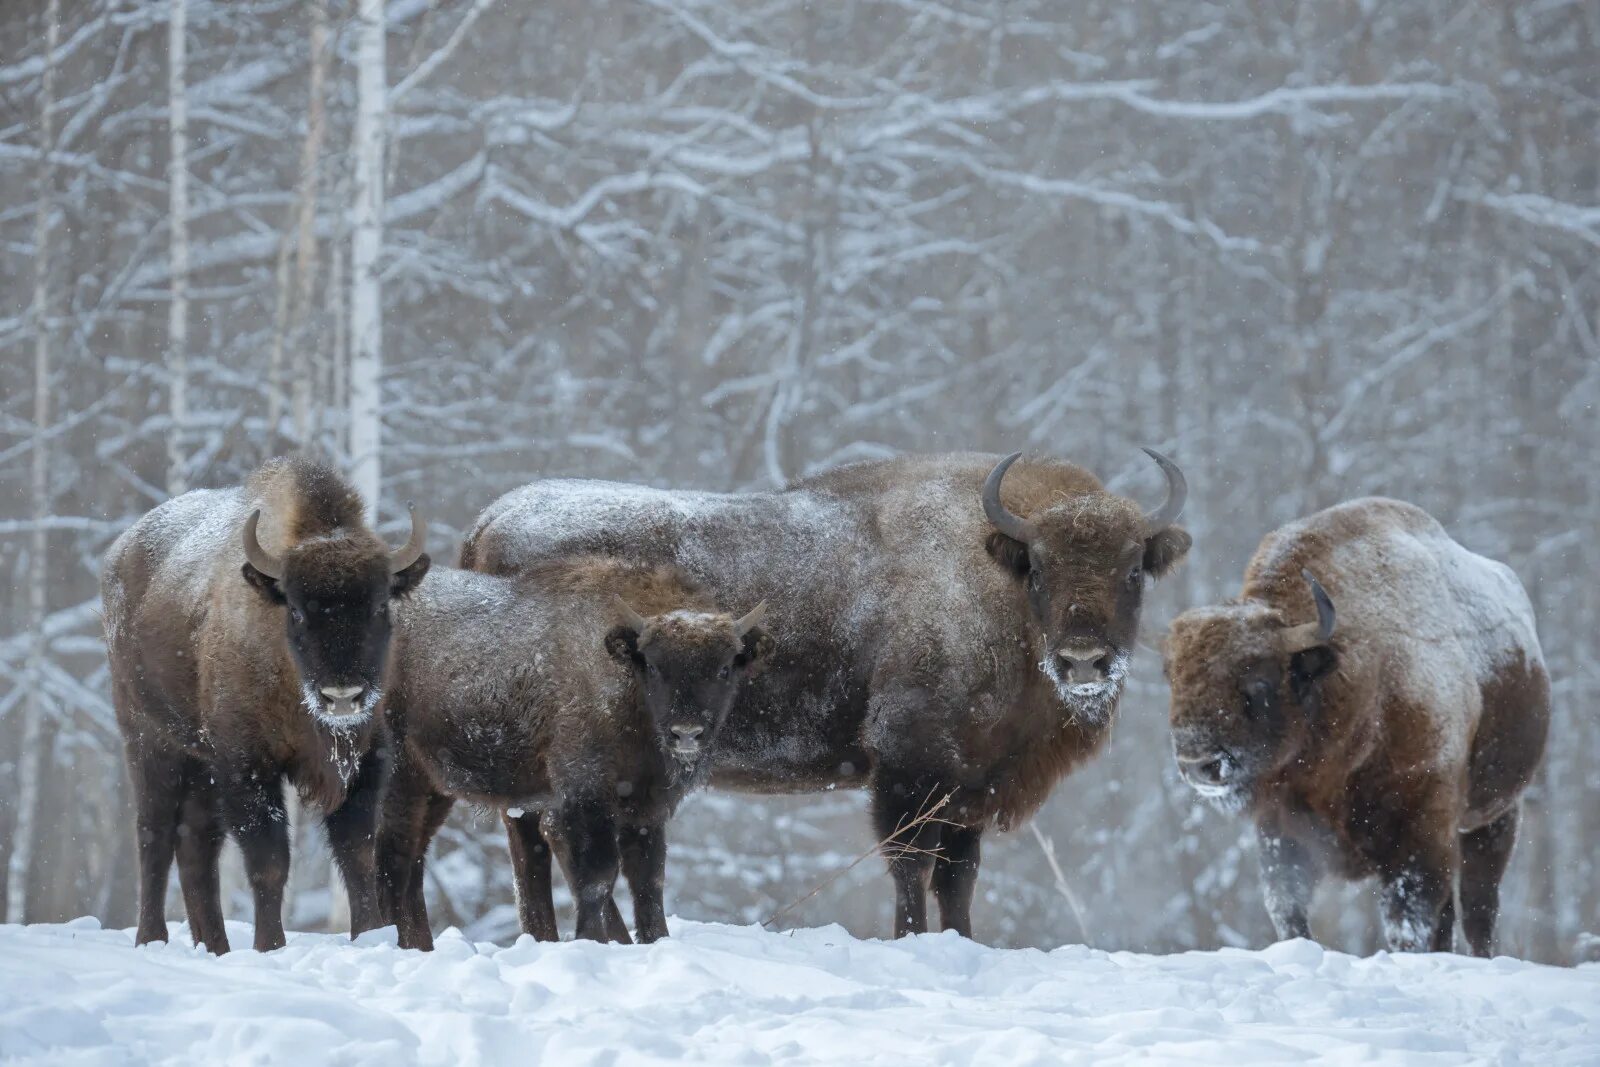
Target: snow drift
(77, 994)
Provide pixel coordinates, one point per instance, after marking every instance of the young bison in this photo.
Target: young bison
(586, 695)
(248, 631)
(1392, 737)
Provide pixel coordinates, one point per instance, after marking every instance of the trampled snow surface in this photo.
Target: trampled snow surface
(719, 994)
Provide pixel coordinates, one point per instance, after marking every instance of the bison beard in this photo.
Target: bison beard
(922, 604)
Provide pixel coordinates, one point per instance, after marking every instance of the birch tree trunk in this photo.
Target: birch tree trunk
(178, 209)
(33, 757)
(366, 310)
(301, 375)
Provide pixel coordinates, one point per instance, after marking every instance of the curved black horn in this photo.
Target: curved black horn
(1013, 526)
(411, 551)
(635, 621)
(756, 617)
(1177, 493)
(1311, 634)
(260, 558)
(1325, 614)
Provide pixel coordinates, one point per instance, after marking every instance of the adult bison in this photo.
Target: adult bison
(1377, 700)
(947, 625)
(248, 631)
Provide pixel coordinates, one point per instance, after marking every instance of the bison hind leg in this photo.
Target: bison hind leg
(1485, 852)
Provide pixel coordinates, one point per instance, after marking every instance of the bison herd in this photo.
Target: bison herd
(949, 632)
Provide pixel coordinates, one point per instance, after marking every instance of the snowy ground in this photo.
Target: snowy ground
(718, 994)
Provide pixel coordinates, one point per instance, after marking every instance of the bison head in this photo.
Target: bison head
(690, 665)
(336, 591)
(1083, 561)
(1244, 692)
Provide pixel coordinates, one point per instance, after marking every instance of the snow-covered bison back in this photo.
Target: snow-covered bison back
(1377, 699)
(944, 628)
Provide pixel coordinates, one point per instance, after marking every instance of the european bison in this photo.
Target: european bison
(587, 691)
(948, 628)
(248, 632)
(1386, 725)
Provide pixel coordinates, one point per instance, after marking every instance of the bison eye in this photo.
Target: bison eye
(651, 669)
(1135, 576)
(297, 615)
(724, 671)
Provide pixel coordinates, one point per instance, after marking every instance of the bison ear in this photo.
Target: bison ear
(1009, 553)
(1307, 667)
(623, 644)
(267, 587)
(1165, 549)
(758, 645)
(404, 581)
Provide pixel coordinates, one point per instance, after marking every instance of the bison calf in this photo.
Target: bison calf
(1384, 725)
(248, 631)
(584, 696)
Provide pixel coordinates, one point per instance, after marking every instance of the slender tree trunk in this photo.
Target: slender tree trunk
(178, 208)
(305, 228)
(33, 755)
(366, 308)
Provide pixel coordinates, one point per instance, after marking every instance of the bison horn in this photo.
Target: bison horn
(1312, 634)
(633, 619)
(260, 558)
(757, 616)
(411, 551)
(1177, 493)
(1013, 526)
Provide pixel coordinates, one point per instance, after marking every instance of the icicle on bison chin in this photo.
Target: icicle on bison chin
(1377, 702)
(951, 627)
(582, 700)
(248, 632)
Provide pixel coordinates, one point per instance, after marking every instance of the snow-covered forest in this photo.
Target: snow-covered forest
(1312, 251)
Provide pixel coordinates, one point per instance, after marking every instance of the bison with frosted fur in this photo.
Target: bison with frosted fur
(581, 699)
(248, 632)
(953, 626)
(1377, 701)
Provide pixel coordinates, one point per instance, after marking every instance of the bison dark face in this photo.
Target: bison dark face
(1083, 562)
(691, 665)
(336, 593)
(1244, 693)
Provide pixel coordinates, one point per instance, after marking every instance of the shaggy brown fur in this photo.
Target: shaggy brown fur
(918, 648)
(217, 676)
(1399, 747)
(544, 698)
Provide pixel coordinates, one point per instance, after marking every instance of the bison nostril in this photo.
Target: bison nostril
(1103, 664)
(342, 692)
(688, 733)
(1214, 770)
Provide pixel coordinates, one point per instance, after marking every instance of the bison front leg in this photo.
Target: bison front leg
(1288, 881)
(1415, 893)
(955, 876)
(200, 837)
(644, 861)
(587, 836)
(253, 807)
(352, 830)
(910, 843)
(530, 871)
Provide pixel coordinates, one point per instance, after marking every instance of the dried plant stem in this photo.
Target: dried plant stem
(890, 846)
(1048, 847)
